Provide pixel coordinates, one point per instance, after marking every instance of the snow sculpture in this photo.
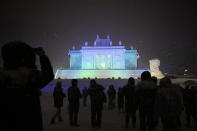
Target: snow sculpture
(154, 68)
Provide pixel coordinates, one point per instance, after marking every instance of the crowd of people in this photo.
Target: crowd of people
(21, 81)
(164, 102)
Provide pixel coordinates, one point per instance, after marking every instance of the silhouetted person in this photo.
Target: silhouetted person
(154, 79)
(129, 91)
(97, 98)
(145, 99)
(169, 105)
(20, 83)
(73, 98)
(120, 99)
(179, 90)
(58, 96)
(156, 117)
(85, 95)
(111, 97)
(190, 103)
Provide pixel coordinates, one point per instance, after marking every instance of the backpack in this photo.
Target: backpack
(100, 95)
(173, 102)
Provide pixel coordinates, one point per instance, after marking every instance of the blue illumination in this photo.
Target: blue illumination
(102, 61)
(103, 56)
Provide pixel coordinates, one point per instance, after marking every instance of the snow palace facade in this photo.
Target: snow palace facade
(101, 60)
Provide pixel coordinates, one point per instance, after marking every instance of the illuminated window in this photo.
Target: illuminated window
(103, 61)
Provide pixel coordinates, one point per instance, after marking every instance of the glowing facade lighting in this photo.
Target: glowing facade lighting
(103, 56)
(102, 60)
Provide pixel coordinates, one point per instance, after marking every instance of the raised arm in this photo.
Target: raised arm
(46, 74)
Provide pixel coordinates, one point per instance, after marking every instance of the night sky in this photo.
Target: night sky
(165, 30)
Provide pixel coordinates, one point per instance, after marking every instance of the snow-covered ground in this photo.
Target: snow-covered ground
(105, 82)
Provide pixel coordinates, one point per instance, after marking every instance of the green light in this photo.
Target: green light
(80, 74)
(103, 65)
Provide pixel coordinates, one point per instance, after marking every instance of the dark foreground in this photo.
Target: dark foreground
(112, 120)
